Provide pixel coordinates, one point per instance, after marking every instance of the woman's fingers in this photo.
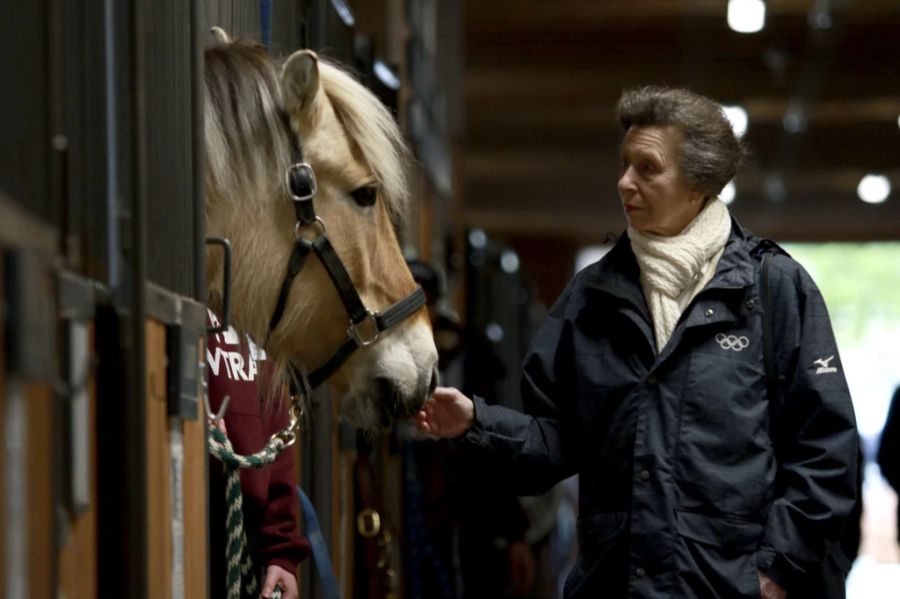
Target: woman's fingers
(445, 394)
(421, 422)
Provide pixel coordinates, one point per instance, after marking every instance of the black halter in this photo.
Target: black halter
(365, 326)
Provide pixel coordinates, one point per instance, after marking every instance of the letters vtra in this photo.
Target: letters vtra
(229, 353)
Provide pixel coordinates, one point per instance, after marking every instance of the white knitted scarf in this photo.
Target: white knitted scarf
(674, 269)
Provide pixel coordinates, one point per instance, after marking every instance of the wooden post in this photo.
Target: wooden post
(176, 516)
(78, 553)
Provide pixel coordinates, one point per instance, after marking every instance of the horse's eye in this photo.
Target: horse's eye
(364, 196)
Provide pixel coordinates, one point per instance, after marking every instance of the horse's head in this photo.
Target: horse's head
(358, 156)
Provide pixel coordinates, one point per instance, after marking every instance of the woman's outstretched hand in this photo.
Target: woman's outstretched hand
(447, 413)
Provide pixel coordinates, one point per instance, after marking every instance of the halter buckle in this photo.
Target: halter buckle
(366, 331)
(301, 182)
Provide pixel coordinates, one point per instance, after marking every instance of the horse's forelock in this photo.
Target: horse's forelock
(247, 146)
(373, 129)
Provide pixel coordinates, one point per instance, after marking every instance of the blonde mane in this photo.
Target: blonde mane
(247, 143)
(373, 129)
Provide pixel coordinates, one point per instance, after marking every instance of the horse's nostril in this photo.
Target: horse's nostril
(387, 391)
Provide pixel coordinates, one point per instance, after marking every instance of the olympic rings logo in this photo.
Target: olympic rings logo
(732, 342)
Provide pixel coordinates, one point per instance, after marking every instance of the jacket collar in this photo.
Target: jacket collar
(618, 273)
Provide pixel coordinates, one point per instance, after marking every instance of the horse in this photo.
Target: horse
(259, 116)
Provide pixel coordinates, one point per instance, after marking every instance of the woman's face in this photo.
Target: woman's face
(654, 195)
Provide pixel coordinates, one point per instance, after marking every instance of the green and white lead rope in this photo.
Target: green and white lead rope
(237, 554)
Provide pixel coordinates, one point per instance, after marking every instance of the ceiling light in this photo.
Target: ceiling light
(737, 116)
(728, 193)
(509, 262)
(820, 20)
(746, 16)
(344, 12)
(494, 332)
(873, 189)
(794, 120)
(386, 75)
(774, 186)
(477, 238)
(819, 16)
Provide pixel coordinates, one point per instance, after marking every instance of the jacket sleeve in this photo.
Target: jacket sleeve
(531, 452)
(280, 542)
(889, 446)
(814, 433)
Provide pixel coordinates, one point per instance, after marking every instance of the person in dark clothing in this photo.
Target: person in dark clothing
(889, 450)
(647, 379)
(271, 506)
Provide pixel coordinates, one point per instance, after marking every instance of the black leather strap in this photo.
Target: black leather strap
(299, 254)
(343, 353)
(390, 317)
(401, 310)
(345, 287)
(301, 181)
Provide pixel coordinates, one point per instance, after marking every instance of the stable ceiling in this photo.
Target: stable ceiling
(539, 156)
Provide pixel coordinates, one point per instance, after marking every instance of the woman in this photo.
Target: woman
(647, 379)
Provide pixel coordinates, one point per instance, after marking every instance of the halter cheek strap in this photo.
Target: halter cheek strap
(365, 326)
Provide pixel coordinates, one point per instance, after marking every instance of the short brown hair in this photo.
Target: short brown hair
(710, 151)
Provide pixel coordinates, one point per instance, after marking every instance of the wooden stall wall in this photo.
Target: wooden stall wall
(29, 374)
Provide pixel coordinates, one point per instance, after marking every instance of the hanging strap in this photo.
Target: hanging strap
(319, 548)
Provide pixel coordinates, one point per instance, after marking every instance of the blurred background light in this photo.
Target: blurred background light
(774, 187)
(509, 262)
(746, 16)
(477, 238)
(728, 193)
(874, 189)
(794, 120)
(386, 75)
(738, 117)
(494, 332)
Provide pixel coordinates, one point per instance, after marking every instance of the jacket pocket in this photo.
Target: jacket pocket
(716, 555)
(601, 566)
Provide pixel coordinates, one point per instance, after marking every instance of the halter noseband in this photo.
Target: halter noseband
(365, 326)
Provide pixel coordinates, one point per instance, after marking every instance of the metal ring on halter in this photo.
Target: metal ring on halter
(357, 335)
(300, 226)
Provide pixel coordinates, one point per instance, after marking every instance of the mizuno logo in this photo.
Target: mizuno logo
(824, 368)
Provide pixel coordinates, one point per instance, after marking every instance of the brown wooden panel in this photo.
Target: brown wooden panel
(39, 404)
(346, 505)
(78, 557)
(195, 503)
(159, 506)
(2, 439)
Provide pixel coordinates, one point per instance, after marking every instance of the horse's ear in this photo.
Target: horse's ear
(219, 35)
(300, 80)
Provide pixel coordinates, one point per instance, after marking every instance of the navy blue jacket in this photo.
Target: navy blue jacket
(690, 478)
